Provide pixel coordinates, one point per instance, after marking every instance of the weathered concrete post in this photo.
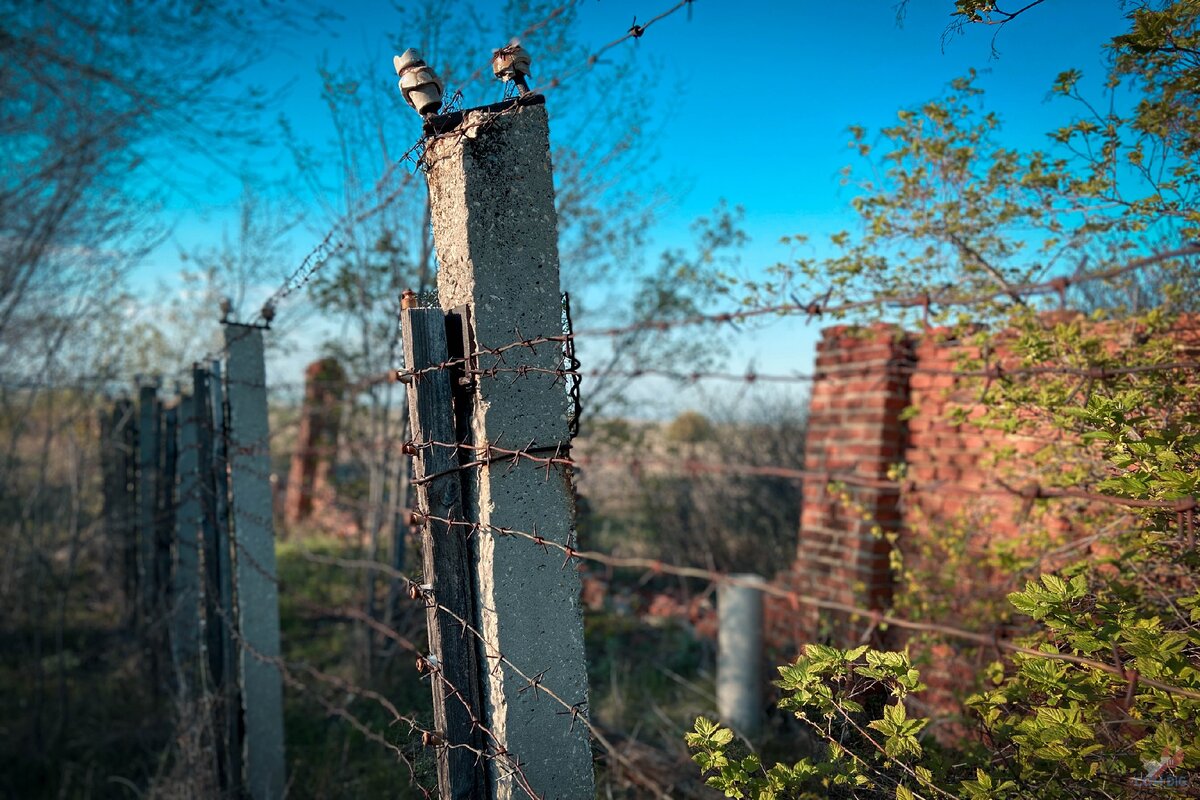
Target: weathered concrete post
(740, 656)
(495, 230)
(308, 485)
(147, 500)
(185, 576)
(254, 539)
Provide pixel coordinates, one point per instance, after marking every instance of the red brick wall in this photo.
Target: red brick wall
(854, 426)
(947, 516)
(308, 490)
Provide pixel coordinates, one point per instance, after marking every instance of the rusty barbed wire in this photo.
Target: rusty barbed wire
(428, 737)
(557, 456)
(819, 307)
(635, 32)
(994, 371)
(797, 599)
(549, 457)
(534, 681)
(731, 317)
(331, 244)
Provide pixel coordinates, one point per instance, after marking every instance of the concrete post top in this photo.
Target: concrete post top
(460, 121)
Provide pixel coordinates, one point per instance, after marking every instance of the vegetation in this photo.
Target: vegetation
(1095, 688)
(1098, 693)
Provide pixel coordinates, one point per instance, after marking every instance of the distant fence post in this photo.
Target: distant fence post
(740, 656)
(118, 430)
(107, 417)
(308, 477)
(185, 578)
(147, 500)
(165, 525)
(457, 690)
(495, 227)
(257, 584)
(220, 614)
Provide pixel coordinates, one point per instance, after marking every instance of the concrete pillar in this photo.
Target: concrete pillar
(254, 540)
(185, 576)
(495, 231)
(308, 485)
(740, 656)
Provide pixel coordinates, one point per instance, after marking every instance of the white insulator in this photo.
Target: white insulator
(419, 85)
(511, 63)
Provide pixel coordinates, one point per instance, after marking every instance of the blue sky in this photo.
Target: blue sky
(753, 101)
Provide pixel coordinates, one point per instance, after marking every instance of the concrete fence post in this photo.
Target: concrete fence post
(495, 230)
(254, 549)
(308, 485)
(740, 656)
(185, 577)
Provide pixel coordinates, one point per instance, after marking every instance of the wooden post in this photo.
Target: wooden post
(165, 521)
(147, 498)
(449, 578)
(220, 611)
(127, 511)
(185, 578)
(254, 542)
(107, 418)
(495, 228)
(120, 512)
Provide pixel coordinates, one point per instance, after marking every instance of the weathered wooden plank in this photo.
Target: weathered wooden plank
(147, 501)
(220, 613)
(168, 451)
(446, 553)
(125, 500)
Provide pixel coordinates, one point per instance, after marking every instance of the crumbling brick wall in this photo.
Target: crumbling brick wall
(882, 397)
(308, 489)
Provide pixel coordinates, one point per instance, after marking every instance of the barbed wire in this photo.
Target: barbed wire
(874, 615)
(330, 244)
(813, 309)
(894, 368)
(635, 32)
(557, 456)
